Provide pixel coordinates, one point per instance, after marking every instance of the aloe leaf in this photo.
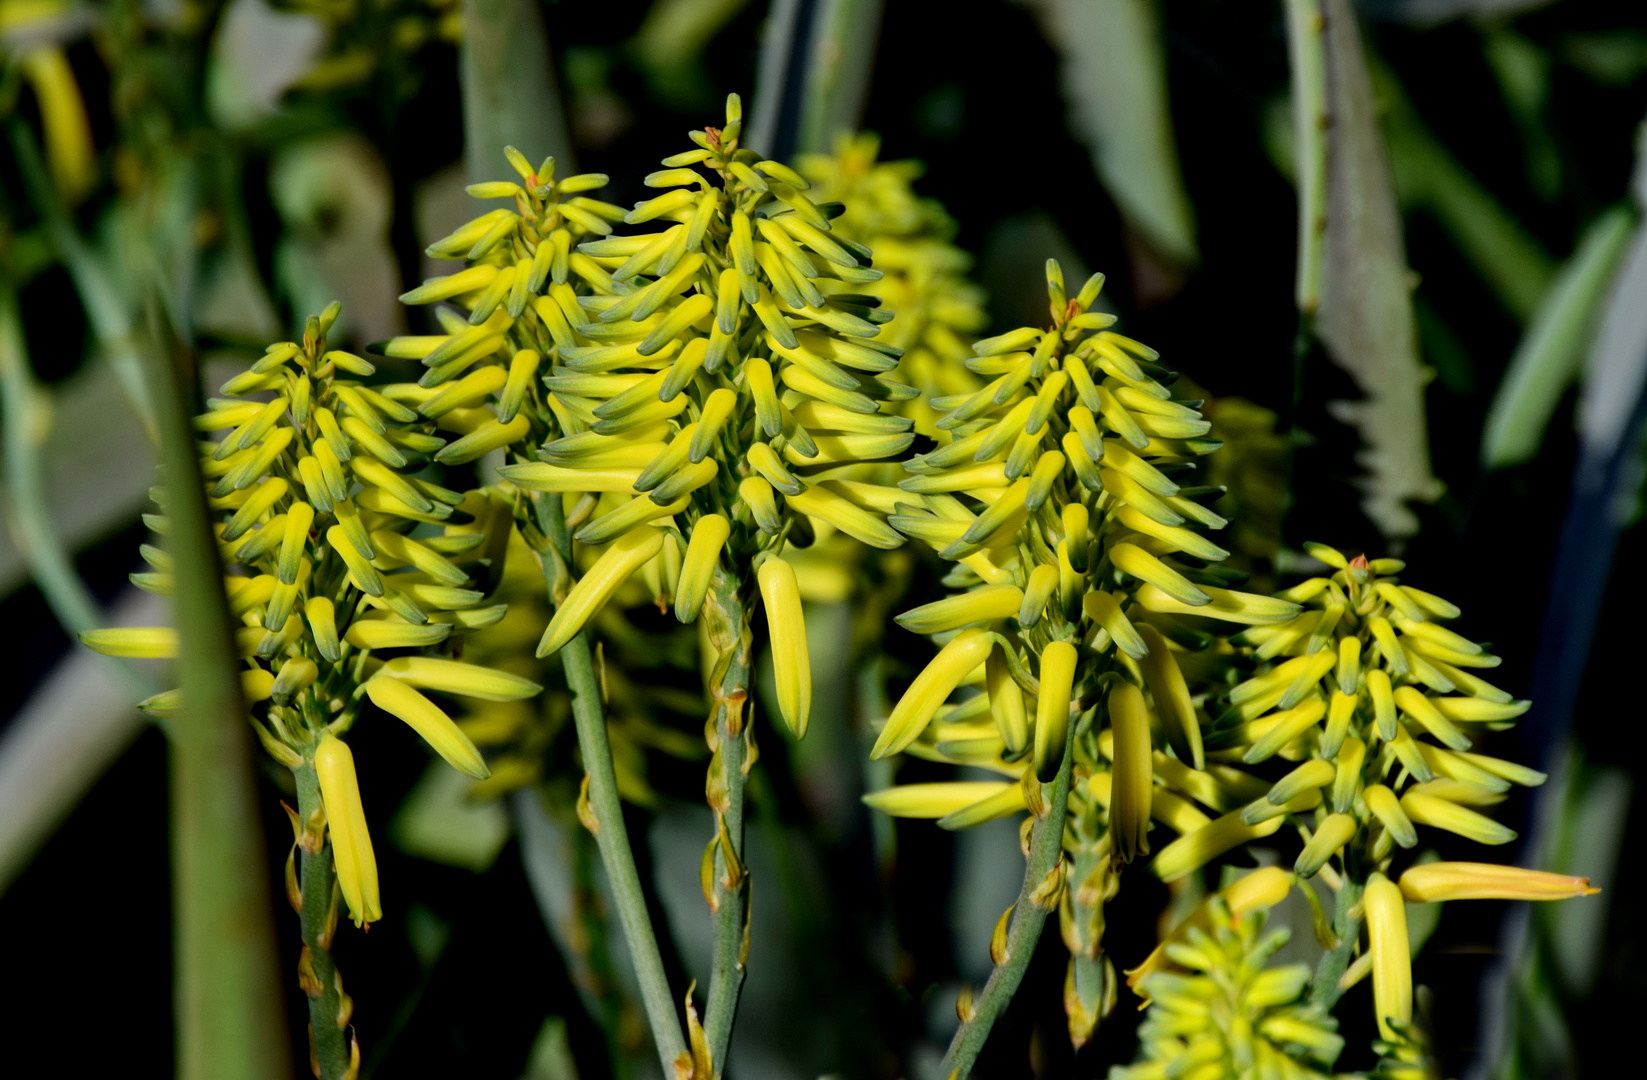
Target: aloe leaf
(1364, 315)
(509, 92)
(229, 1001)
(1551, 352)
(1113, 71)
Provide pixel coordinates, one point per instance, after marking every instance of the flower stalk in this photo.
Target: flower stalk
(588, 715)
(734, 751)
(1036, 900)
(317, 905)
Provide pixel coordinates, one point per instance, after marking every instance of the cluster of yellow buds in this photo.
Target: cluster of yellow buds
(712, 367)
(312, 480)
(925, 283)
(1078, 551)
(1379, 704)
(1232, 1016)
(1075, 544)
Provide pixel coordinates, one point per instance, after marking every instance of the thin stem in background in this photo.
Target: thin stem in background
(730, 635)
(1046, 845)
(590, 720)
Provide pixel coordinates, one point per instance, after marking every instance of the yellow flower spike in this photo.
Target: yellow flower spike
(1172, 698)
(346, 821)
(936, 800)
(1442, 814)
(423, 716)
(1333, 833)
(703, 551)
(1133, 778)
(985, 604)
(1392, 958)
(1194, 850)
(1006, 702)
(454, 677)
(595, 588)
(1435, 881)
(786, 623)
(135, 642)
(935, 683)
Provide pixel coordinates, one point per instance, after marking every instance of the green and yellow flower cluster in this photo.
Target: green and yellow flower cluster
(688, 393)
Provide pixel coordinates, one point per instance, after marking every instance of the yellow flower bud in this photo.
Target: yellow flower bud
(346, 819)
(425, 717)
(936, 681)
(1392, 969)
(786, 623)
(1133, 783)
(590, 594)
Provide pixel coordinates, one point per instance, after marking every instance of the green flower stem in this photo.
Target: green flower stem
(319, 913)
(1324, 988)
(729, 632)
(577, 659)
(1046, 843)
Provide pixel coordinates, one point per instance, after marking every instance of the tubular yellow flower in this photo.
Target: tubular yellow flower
(1172, 698)
(791, 667)
(936, 800)
(951, 613)
(589, 595)
(935, 683)
(137, 642)
(1133, 786)
(1333, 833)
(454, 677)
(346, 823)
(1006, 702)
(1392, 960)
(1435, 881)
(1058, 661)
(1194, 850)
(423, 716)
(703, 552)
(1442, 814)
